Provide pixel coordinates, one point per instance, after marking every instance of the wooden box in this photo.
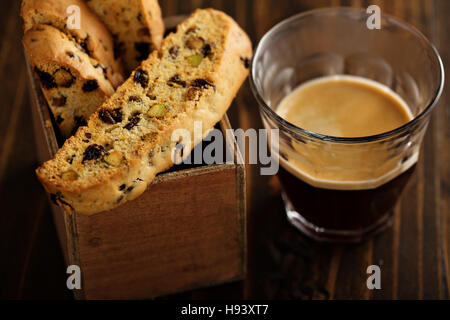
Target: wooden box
(185, 232)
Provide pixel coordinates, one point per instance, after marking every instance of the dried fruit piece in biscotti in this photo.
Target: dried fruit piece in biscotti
(137, 26)
(92, 37)
(130, 135)
(73, 87)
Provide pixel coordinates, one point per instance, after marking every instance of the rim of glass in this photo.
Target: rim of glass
(298, 130)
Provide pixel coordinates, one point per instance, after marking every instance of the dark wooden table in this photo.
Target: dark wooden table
(414, 255)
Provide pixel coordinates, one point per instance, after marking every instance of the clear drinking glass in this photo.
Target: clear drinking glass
(356, 181)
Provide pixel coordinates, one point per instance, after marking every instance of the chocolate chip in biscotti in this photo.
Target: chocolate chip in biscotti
(93, 152)
(90, 85)
(206, 50)
(202, 83)
(176, 81)
(59, 101)
(246, 62)
(84, 45)
(134, 99)
(141, 77)
(46, 78)
(63, 78)
(110, 116)
(143, 48)
(133, 121)
(173, 51)
(73, 56)
(122, 187)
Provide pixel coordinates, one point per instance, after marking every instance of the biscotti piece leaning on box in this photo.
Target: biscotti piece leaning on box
(73, 87)
(91, 36)
(137, 26)
(194, 77)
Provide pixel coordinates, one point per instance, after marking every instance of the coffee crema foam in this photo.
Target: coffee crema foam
(345, 106)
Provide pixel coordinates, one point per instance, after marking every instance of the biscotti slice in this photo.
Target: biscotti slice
(194, 77)
(137, 26)
(73, 87)
(92, 37)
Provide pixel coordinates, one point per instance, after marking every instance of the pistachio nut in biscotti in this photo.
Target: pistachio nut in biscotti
(194, 77)
(92, 37)
(137, 27)
(72, 86)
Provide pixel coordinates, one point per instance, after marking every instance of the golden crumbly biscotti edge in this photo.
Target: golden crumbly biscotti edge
(72, 86)
(137, 27)
(92, 37)
(194, 77)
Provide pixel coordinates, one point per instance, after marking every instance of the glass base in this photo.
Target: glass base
(328, 235)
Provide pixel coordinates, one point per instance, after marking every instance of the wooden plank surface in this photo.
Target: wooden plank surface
(414, 254)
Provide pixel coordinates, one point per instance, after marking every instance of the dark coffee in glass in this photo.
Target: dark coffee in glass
(352, 106)
(343, 214)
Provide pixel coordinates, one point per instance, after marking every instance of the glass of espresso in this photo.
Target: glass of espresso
(352, 105)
